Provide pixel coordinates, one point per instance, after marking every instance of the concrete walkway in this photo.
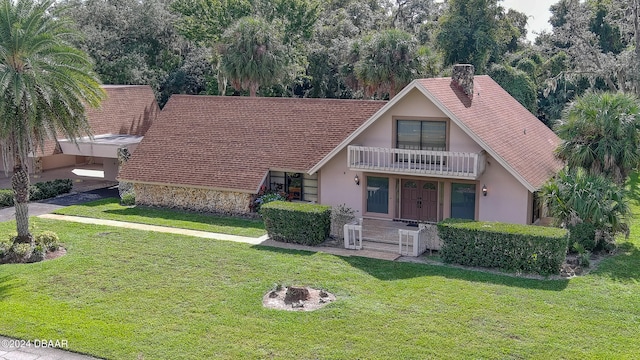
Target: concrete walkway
(12, 349)
(263, 240)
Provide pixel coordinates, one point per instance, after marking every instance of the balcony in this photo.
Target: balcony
(444, 164)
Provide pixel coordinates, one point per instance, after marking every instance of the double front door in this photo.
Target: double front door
(419, 200)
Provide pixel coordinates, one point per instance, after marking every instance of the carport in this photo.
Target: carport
(103, 148)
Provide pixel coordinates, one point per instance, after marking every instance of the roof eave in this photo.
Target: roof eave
(362, 127)
(475, 138)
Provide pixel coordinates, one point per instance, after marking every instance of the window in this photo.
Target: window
(377, 195)
(463, 201)
(421, 135)
(298, 186)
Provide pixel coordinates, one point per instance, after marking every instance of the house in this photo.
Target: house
(443, 147)
(122, 119)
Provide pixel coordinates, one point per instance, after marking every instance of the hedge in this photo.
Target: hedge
(39, 191)
(300, 223)
(510, 247)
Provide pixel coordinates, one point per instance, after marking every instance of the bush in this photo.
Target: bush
(128, 199)
(22, 250)
(6, 197)
(5, 245)
(49, 189)
(299, 223)
(510, 247)
(583, 234)
(267, 198)
(48, 240)
(341, 215)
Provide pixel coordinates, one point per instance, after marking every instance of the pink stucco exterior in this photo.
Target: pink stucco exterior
(507, 199)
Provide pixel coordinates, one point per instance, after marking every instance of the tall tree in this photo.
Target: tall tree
(208, 22)
(477, 31)
(601, 133)
(45, 84)
(253, 55)
(602, 40)
(387, 61)
(133, 42)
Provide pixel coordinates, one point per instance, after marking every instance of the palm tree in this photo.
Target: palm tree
(45, 84)
(253, 55)
(387, 61)
(600, 133)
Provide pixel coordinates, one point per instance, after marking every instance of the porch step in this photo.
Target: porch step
(380, 246)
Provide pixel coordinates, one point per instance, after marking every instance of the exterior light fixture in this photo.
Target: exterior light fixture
(356, 179)
(484, 190)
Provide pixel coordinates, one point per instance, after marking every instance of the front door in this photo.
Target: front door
(419, 200)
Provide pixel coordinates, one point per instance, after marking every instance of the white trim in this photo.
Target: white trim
(415, 84)
(362, 127)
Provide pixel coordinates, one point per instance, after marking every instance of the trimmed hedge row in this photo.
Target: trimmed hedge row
(511, 247)
(300, 223)
(39, 191)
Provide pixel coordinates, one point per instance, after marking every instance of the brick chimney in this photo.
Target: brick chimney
(462, 77)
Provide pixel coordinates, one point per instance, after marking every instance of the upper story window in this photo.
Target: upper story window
(421, 135)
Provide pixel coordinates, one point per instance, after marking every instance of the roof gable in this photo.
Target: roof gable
(494, 119)
(232, 142)
(127, 110)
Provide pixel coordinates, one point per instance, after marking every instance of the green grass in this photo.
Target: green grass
(122, 293)
(111, 209)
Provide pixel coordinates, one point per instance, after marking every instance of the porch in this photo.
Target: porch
(406, 239)
(445, 164)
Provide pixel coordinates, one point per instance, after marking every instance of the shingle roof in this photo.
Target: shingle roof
(128, 109)
(232, 142)
(508, 130)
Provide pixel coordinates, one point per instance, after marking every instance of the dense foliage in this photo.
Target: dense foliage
(576, 196)
(39, 191)
(294, 222)
(526, 248)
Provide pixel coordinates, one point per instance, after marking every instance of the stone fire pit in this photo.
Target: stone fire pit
(296, 298)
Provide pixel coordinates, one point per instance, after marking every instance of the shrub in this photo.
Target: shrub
(267, 198)
(128, 199)
(49, 189)
(299, 223)
(6, 197)
(584, 259)
(22, 250)
(5, 245)
(37, 254)
(510, 247)
(576, 196)
(583, 234)
(48, 240)
(341, 215)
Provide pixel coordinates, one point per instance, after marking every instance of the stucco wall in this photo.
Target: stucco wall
(413, 106)
(507, 198)
(337, 185)
(506, 201)
(195, 199)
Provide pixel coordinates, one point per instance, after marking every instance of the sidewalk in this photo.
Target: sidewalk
(263, 240)
(12, 349)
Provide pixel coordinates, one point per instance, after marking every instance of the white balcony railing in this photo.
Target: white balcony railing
(452, 164)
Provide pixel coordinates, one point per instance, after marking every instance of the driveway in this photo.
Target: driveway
(50, 205)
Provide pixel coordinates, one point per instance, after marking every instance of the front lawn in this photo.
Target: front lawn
(127, 294)
(110, 209)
